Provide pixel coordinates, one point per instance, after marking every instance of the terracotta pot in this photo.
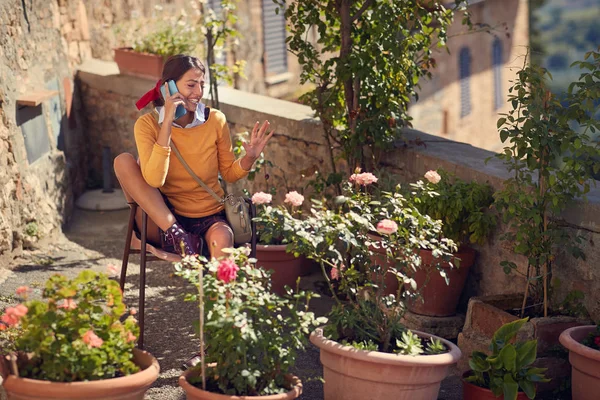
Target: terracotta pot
(143, 65)
(437, 298)
(352, 374)
(585, 363)
(194, 393)
(130, 387)
(474, 392)
(286, 268)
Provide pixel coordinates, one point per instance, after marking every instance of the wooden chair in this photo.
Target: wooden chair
(154, 254)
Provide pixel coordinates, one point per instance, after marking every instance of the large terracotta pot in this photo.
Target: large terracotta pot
(143, 65)
(437, 298)
(286, 268)
(352, 374)
(474, 392)
(194, 393)
(130, 387)
(585, 363)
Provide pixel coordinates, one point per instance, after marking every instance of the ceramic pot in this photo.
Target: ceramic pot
(286, 268)
(352, 374)
(130, 387)
(437, 298)
(585, 363)
(474, 392)
(143, 65)
(194, 393)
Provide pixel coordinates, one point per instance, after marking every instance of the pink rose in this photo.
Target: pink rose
(335, 273)
(22, 290)
(68, 304)
(294, 198)
(113, 270)
(227, 270)
(261, 198)
(91, 339)
(364, 179)
(433, 176)
(387, 227)
(132, 311)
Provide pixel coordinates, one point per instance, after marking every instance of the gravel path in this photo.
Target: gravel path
(95, 239)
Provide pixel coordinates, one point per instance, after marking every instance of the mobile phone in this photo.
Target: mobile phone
(180, 111)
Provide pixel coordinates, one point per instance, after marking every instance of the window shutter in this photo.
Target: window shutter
(274, 35)
(464, 64)
(497, 67)
(215, 5)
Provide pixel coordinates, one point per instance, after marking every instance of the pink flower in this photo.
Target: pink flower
(13, 315)
(22, 290)
(387, 227)
(364, 179)
(261, 198)
(132, 311)
(294, 198)
(433, 176)
(597, 341)
(335, 273)
(112, 270)
(130, 337)
(227, 271)
(68, 304)
(91, 339)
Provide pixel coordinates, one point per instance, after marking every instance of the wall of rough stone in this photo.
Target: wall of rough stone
(37, 52)
(298, 150)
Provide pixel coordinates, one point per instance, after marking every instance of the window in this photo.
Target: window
(464, 66)
(497, 68)
(275, 50)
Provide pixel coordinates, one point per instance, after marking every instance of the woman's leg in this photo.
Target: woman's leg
(218, 237)
(150, 200)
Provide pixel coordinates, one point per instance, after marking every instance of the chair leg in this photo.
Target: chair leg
(142, 279)
(127, 246)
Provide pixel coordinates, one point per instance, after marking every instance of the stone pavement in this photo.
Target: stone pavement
(95, 239)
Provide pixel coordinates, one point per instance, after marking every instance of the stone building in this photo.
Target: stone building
(470, 85)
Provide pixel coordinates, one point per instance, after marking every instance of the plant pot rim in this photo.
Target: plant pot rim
(294, 393)
(449, 358)
(118, 385)
(567, 340)
(130, 50)
(271, 247)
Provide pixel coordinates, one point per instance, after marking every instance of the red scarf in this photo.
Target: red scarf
(150, 95)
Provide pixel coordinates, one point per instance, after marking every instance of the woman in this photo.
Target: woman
(173, 200)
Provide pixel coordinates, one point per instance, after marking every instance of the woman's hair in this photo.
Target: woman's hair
(175, 67)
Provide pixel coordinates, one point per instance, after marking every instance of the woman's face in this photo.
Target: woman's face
(191, 86)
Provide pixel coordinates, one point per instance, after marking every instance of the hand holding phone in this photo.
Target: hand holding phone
(172, 98)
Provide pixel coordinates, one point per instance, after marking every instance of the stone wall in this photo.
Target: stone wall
(298, 150)
(41, 147)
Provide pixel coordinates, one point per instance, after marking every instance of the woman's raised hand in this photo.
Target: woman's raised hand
(171, 103)
(258, 140)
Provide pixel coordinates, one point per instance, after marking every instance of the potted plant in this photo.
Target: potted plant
(507, 372)
(251, 335)
(583, 343)
(464, 209)
(149, 49)
(365, 350)
(273, 249)
(73, 345)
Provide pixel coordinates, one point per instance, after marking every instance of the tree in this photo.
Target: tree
(365, 66)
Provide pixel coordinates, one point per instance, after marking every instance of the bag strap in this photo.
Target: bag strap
(193, 175)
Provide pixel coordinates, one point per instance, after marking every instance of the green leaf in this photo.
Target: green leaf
(510, 388)
(506, 332)
(528, 388)
(508, 355)
(526, 354)
(501, 122)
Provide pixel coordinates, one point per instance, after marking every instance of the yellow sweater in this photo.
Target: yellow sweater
(207, 150)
